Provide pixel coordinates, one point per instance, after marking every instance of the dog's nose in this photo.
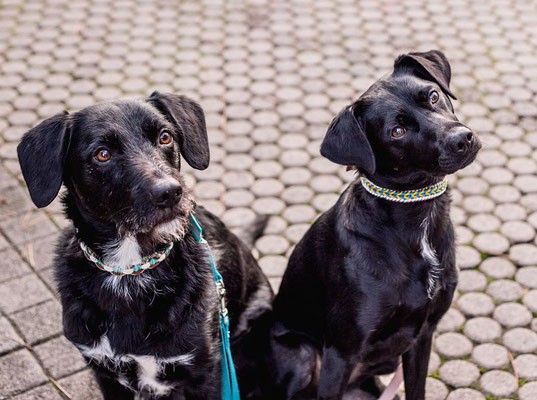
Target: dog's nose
(166, 194)
(462, 141)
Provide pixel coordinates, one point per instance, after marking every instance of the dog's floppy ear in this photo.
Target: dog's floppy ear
(188, 119)
(431, 65)
(346, 143)
(42, 152)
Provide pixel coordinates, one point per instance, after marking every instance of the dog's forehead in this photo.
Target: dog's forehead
(118, 115)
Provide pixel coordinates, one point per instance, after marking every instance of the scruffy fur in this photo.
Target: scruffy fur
(371, 278)
(156, 335)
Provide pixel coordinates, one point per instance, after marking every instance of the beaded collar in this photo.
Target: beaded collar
(405, 196)
(148, 262)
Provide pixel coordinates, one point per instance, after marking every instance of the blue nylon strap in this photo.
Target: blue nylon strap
(230, 386)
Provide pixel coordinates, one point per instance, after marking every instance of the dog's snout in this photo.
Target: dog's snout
(461, 141)
(166, 194)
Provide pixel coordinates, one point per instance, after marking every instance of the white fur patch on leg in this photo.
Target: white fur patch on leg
(429, 255)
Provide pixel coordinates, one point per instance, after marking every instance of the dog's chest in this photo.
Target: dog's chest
(140, 373)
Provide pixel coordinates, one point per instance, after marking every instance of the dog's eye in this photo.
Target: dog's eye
(434, 96)
(398, 131)
(165, 137)
(103, 155)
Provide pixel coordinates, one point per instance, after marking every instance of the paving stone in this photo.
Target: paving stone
(490, 356)
(528, 391)
(297, 195)
(484, 222)
(18, 371)
(237, 198)
(268, 205)
(39, 322)
(10, 338)
(40, 253)
(23, 229)
(295, 176)
(463, 235)
(498, 383)
(295, 232)
(459, 373)
(435, 389)
(530, 300)
(44, 392)
(14, 201)
(527, 277)
(465, 394)
(518, 231)
(497, 268)
(48, 276)
(520, 340)
(452, 321)
(482, 329)
(59, 357)
(467, 257)
(478, 204)
(475, 304)
(22, 292)
(504, 290)
(83, 385)
(273, 266)
(267, 187)
(453, 345)
(524, 254)
(13, 265)
(471, 280)
(272, 244)
(526, 365)
(434, 362)
(491, 243)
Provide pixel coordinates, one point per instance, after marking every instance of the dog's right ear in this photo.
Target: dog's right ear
(346, 143)
(41, 153)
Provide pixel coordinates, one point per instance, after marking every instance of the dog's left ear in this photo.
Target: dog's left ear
(431, 65)
(189, 121)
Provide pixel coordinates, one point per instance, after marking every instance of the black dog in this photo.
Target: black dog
(371, 278)
(155, 335)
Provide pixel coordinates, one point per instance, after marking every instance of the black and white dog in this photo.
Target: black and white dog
(371, 278)
(154, 335)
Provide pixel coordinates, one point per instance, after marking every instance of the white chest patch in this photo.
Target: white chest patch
(429, 254)
(149, 367)
(123, 253)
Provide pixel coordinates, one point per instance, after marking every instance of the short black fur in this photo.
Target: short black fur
(371, 278)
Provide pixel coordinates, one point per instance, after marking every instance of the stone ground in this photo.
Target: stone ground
(270, 76)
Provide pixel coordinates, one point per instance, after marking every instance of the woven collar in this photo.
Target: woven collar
(405, 196)
(148, 262)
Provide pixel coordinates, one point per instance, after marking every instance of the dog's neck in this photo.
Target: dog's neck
(103, 238)
(92, 231)
(411, 181)
(358, 203)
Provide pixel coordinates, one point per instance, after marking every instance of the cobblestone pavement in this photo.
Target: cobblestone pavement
(270, 75)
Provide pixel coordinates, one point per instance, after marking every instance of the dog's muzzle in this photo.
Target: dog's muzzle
(460, 150)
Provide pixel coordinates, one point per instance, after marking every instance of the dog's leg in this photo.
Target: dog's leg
(415, 364)
(335, 373)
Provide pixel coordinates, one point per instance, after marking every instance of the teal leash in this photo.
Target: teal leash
(230, 386)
